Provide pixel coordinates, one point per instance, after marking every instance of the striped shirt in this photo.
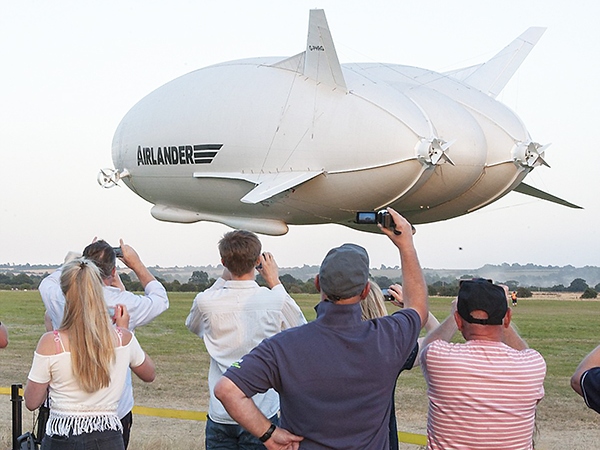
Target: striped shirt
(482, 395)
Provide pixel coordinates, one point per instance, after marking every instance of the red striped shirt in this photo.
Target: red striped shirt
(482, 395)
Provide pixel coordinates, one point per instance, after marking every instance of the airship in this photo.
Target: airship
(268, 142)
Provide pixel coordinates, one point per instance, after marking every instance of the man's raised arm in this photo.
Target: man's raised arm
(413, 282)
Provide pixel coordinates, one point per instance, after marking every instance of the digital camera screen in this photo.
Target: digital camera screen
(366, 217)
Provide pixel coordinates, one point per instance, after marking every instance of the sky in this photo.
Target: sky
(72, 69)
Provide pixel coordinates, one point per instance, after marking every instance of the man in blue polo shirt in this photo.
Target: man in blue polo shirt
(335, 375)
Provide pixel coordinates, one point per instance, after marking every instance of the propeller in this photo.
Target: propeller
(530, 154)
(434, 151)
(108, 178)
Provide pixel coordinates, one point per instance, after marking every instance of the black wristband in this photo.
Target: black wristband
(265, 437)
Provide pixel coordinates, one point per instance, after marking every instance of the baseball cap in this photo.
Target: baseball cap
(481, 294)
(344, 272)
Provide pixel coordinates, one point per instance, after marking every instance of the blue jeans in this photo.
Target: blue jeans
(221, 436)
(127, 421)
(97, 440)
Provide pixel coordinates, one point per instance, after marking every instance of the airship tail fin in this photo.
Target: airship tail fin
(491, 76)
(319, 61)
(534, 192)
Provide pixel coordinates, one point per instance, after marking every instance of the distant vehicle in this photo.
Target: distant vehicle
(265, 142)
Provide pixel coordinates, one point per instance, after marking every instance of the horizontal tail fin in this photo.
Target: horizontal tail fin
(530, 190)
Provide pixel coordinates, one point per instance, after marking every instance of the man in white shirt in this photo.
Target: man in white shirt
(233, 316)
(142, 309)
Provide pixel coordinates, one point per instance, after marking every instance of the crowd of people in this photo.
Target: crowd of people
(278, 382)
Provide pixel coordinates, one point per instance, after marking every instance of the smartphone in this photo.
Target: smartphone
(111, 311)
(387, 296)
(259, 267)
(118, 252)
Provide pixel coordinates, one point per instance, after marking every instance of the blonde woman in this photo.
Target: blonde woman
(83, 365)
(373, 306)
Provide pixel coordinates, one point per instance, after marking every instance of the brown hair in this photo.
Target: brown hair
(91, 336)
(103, 255)
(239, 249)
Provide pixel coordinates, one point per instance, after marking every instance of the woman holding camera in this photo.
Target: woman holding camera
(82, 367)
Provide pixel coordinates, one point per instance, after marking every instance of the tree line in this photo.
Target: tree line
(200, 280)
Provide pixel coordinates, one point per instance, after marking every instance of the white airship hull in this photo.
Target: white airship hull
(262, 143)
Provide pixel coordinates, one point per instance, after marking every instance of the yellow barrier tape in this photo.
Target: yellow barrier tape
(169, 413)
(412, 438)
(407, 438)
(7, 391)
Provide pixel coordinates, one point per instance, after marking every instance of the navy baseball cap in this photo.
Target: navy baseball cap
(344, 272)
(480, 294)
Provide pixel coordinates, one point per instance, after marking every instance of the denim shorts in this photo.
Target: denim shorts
(97, 440)
(221, 436)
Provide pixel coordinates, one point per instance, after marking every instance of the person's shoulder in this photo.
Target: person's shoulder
(440, 344)
(116, 295)
(404, 313)
(590, 380)
(300, 332)
(441, 349)
(52, 280)
(211, 294)
(154, 285)
(277, 292)
(126, 336)
(590, 386)
(531, 353)
(47, 345)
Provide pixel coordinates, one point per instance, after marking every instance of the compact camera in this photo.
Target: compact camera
(118, 252)
(371, 217)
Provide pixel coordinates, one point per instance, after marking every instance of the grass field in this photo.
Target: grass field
(564, 331)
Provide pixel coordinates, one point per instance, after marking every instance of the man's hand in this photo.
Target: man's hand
(269, 270)
(403, 231)
(282, 439)
(243, 410)
(396, 291)
(130, 257)
(133, 261)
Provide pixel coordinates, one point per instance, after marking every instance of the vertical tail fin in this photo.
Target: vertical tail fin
(319, 61)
